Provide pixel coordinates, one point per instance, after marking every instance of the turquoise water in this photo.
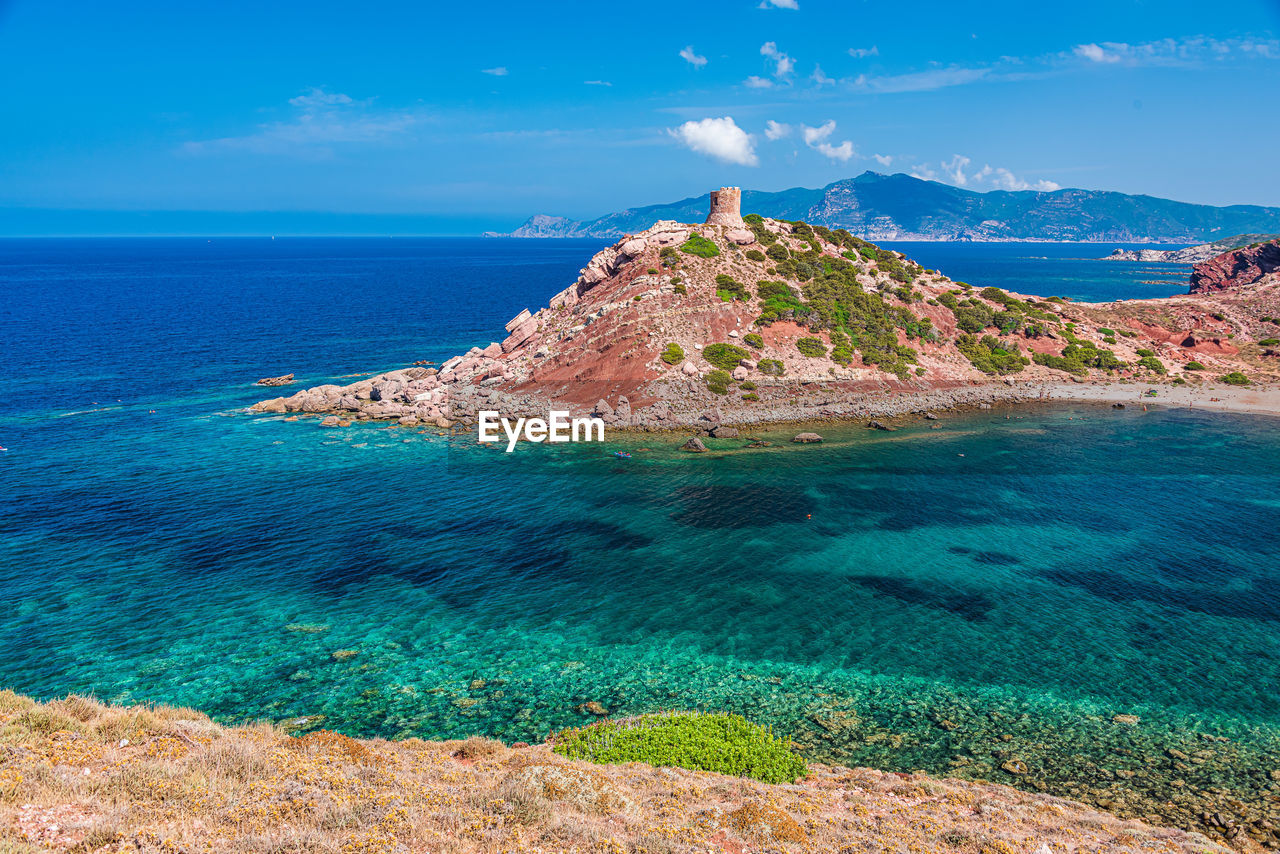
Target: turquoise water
(948, 599)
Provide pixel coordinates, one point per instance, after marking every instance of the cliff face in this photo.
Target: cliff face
(901, 207)
(685, 324)
(1234, 270)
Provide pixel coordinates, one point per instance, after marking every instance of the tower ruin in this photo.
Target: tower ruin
(726, 208)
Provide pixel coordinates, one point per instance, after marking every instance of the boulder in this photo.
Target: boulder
(877, 425)
(385, 390)
(634, 247)
(807, 438)
(623, 409)
(694, 445)
(740, 236)
(749, 364)
(349, 403)
(331, 421)
(282, 380)
(604, 411)
(520, 334)
(276, 404)
(689, 368)
(723, 432)
(516, 321)
(739, 373)
(493, 351)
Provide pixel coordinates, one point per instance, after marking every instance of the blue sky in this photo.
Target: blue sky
(452, 117)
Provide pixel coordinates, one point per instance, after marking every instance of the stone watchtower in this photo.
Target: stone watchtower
(726, 208)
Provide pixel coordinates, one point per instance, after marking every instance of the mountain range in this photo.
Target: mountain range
(900, 207)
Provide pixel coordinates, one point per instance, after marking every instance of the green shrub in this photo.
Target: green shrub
(637, 298)
(921, 372)
(1126, 333)
(700, 246)
(747, 385)
(724, 356)
(989, 355)
(812, 347)
(719, 377)
(754, 340)
(669, 256)
(754, 255)
(679, 286)
(1193, 366)
(973, 318)
(1151, 363)
(652, 271)
(841, 355)
(720, 743)
(1145, 352)
(1234, 378)
(751, 395)
(1102, 330)
(1269, 342)
(771, 367)
(778, 252)
(753, 219)
(729, 289)
(673, 354)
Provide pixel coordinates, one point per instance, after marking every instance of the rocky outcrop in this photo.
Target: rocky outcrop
(287, 379)
(1232, 270)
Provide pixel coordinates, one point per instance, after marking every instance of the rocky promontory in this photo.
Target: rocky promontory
(1248, 266)
(748, 320)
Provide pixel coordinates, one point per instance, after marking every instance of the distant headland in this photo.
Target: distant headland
(901, 207)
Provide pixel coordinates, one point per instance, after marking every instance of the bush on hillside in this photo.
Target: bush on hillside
(724, 356)
(673, 354)
(700, 246)
(721, 743)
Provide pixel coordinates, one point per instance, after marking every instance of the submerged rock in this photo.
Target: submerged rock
(286, 379)
(807, 438)
(694, 445)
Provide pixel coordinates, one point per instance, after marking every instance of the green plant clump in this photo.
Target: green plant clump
(724, 356)
(991, 356)
(720, 743)
(754, 255)
(812, 347)
(673, 354)
(1151, 363)
(730, 289)
(700, 246)
(753, 339)
(1193, 366)
(1269, 342)
(771, 367)
(1234, 378)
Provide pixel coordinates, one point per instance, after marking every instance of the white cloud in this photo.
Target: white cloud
(776, 130)
(754, 82)
(812, 136)
(784, 64)
(779, 4)
(842, 152)
(864, 52)
(596, 83)
(692, 58)
(819, 77)
(321, 120)
(883, 159)
(500, 71)
(319, 98)
(954, 171)
(718, 138)
(1094, 53)
(816, 138)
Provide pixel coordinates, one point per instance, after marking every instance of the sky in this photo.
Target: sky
(448, 117)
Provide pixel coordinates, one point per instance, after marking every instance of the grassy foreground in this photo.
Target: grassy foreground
(80, 776)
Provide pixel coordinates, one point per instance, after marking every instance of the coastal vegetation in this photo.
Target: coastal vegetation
(673, 354)
(753, 339)
(811, 347)
(724, 356)
(700, 246)
(723, 743)
(1234, 378)
(991, 356)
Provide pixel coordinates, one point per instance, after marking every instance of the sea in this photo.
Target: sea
(1051, 596)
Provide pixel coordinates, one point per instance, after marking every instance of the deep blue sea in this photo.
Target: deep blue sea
(932, 598)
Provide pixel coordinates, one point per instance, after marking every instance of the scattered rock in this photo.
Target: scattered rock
(694, 445)
(1117, 406)
(877, 425)
(330, 421)
(929, 416)
(1127, 720)
(723, 432)
(287, 379)
(1015, 767)
(807, 438)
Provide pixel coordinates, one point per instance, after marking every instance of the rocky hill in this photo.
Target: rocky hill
(1191, 254)
(84, 778)
(1250, 266)
(765, 320)
(899, 207)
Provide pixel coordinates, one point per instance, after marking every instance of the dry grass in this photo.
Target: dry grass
(78, 776)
